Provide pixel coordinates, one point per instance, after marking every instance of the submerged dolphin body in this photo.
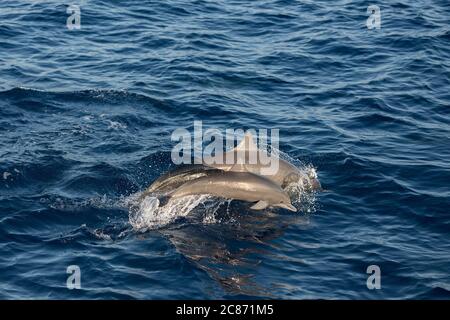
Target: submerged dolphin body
(243, 157)
(237, 185)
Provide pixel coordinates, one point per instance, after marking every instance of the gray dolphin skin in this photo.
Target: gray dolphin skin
(241, 180)
(286, 173)
(175, 178)
(243, 186)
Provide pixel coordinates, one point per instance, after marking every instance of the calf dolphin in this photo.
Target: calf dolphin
(246, 157)
(244, 186)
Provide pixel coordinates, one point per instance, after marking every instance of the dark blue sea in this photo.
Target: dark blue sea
(86, 117)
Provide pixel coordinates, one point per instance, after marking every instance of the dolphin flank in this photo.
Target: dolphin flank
(243, 186)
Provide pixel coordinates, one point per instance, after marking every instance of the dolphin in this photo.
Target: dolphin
(244, 156)
(243, 186)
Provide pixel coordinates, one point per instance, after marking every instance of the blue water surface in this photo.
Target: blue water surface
(86, 117)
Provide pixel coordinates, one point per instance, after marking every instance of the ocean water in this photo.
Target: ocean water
(85, 122)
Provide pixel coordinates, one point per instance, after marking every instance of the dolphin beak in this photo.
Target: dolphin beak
(289, 207)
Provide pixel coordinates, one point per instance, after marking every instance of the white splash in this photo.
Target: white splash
(301, 194)
(302, 197)
(148, 214)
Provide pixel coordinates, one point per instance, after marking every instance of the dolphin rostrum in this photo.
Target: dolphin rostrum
(244, 186)
(246, 157)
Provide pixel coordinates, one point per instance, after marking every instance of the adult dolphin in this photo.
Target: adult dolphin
(243, 186)
(246, 155)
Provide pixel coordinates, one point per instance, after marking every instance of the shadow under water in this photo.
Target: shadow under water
(231, 245)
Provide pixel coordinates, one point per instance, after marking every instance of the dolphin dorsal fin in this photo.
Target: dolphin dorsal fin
(247, 143)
